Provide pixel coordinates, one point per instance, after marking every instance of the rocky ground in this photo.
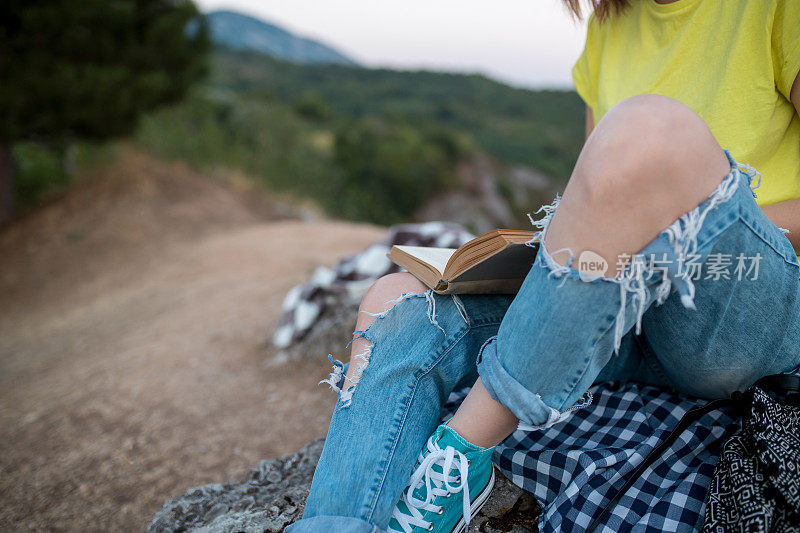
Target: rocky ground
(134, 315)
(272, 496)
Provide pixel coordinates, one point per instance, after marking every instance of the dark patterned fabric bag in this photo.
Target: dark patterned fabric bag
(756, 483)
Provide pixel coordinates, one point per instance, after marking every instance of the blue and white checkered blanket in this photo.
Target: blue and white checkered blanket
(574, 467)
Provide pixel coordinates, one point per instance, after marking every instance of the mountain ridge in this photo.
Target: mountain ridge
(245, 32)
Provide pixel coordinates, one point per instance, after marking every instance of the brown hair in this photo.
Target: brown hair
(603, 9)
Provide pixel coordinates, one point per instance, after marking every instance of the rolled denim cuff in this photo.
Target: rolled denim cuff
(339, 524)
(503, 388)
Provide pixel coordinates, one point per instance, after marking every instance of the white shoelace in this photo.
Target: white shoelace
(436, 484)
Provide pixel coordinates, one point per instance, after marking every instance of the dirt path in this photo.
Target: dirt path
(133, 320)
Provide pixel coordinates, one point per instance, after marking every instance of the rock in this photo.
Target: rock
(490, 196)
(508, 509)
(332, 331)
(273, 494)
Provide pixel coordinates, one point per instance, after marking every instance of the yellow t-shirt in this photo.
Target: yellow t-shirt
(732, 61)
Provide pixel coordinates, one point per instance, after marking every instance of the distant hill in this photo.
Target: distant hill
(371, 144)
(243, 32)
(543, 129)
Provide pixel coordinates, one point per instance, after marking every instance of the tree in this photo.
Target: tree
(87, 69)
(390, 169)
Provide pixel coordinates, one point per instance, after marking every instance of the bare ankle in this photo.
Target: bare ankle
(482, 421)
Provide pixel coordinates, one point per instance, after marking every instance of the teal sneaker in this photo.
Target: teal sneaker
(447, 466)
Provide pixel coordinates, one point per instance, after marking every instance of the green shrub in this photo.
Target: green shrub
(43, 171)
(40, 173)
(388, 170)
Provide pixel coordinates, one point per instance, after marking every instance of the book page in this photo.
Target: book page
(435, 257)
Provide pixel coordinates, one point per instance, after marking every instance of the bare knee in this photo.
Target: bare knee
(649, 160)
(651, 147)
(386, 289)
(381, 296)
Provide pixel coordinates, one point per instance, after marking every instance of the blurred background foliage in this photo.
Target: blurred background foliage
(85, 71)
(364, 144)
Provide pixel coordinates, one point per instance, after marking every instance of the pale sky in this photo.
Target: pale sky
(531, 43)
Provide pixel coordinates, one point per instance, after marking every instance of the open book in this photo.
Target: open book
(496, 262)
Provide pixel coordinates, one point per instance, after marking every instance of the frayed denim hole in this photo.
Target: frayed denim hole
(345, 386)
(337, 376)
(337, 380)
(542, 223)
(631, 280)
(553, 267)
(634, 280)
(682, 236)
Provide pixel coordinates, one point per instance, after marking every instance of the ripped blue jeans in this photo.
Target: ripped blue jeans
(711, 305)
